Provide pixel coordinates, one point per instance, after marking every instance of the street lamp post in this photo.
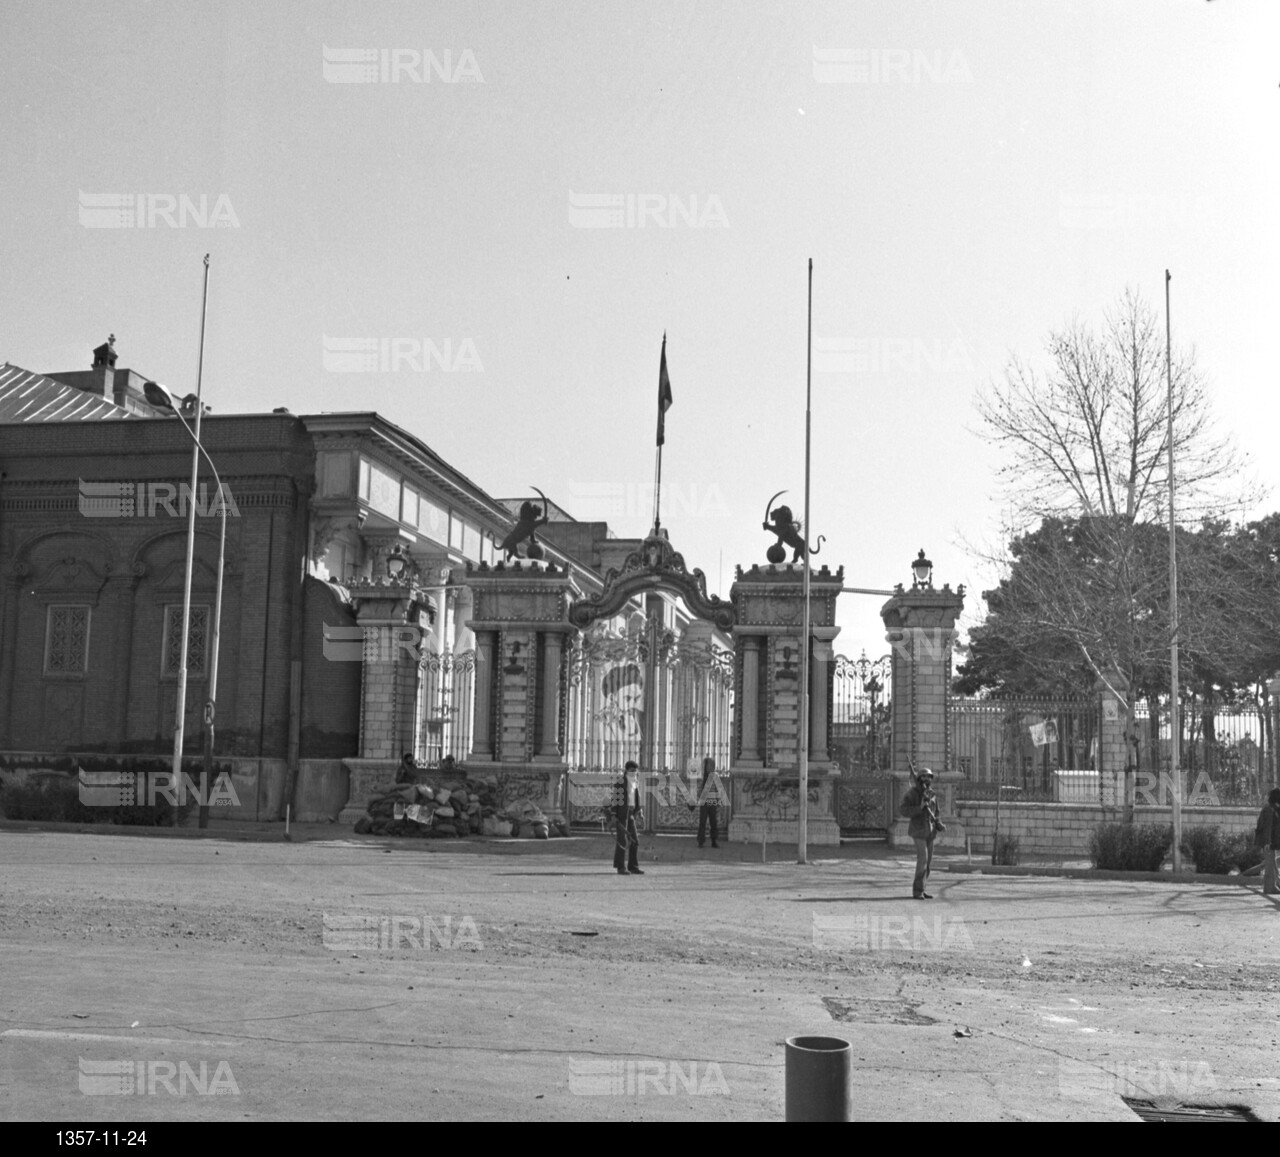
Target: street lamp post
(163, 398)
(921, 573)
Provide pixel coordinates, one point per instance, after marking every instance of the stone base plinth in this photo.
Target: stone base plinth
(823, 831)
(766, 806)
(367, 777)
(543, 784)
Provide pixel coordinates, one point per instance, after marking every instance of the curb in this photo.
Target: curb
(186, 832)
(1098, 874)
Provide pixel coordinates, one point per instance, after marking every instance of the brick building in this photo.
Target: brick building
(94, 493)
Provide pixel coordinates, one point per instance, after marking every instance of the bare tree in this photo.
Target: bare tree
(1088, 436)
(1087, 439)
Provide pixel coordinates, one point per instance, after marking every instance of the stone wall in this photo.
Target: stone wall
(1063, 829)
(253, 791)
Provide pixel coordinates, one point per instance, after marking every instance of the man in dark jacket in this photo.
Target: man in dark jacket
(626, 808)
(1267, 837)
(920, 805)
(708, 803)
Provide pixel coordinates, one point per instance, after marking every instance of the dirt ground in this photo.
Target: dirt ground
(242, 977)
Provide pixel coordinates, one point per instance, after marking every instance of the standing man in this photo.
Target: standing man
(920, 805)
(626, 807)
(1267, 837)
(709, 802)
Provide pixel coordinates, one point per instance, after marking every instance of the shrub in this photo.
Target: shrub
(1130, 847)
(1242, 852)
(1006, 850)
(40, 801)
(1217, 854)
(1209, 850)
(58, 801)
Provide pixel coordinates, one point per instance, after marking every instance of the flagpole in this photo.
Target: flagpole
(1175, 719)
(803, 833)
(657, 493)
(179, 727)
(664, 401)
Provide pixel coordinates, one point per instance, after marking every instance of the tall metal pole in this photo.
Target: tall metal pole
(805, 645)
(657, 493)
(181, 712)
(1175, 719)
(211, 704)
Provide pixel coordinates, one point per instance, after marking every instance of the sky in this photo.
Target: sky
(506, 205)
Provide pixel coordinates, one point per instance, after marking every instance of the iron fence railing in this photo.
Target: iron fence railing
(1022, 743)
(1046, 750)
(1223, 755)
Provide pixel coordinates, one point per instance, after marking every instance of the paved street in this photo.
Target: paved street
(334, 977)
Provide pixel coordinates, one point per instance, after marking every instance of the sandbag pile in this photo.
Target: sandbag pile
(451, 807)
(527, 820)
(430, 810)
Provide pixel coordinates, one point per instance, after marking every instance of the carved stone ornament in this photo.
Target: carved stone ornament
(71, 577)
(655, 564)
(400, 597)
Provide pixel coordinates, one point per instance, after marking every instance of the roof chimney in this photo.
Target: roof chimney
(104, 362)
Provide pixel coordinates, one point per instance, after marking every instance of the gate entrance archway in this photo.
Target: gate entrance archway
(654, 685)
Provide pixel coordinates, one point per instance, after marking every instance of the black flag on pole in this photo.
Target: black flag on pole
(664, 394)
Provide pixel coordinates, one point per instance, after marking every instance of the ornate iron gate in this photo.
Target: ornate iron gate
(861, 733)
(445, 706)
(644, 694)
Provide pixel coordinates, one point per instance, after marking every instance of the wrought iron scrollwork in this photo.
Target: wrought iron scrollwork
(655, 564)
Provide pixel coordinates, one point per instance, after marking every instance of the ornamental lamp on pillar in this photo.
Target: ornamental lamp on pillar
(396, 563)
(922, 572)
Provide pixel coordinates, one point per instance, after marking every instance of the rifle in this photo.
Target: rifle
(927, 797)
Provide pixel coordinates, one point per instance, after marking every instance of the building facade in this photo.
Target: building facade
(322, 512)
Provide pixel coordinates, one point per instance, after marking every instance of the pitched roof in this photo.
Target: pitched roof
(31, 397)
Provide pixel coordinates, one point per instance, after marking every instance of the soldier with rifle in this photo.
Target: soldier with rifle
(920, 806)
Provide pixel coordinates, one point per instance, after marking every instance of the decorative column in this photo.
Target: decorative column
(749, 701)
(820, 694)
(126, 598)
(520, 616)
(482, 725)
(15, 583)
(769, 640)
(551, 747)
(920, 625)
(395, 615)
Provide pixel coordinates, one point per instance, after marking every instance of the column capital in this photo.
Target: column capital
(533, 596)
(922, 608)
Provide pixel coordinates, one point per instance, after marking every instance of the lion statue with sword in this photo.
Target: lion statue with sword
(531, 517)
(780, 521)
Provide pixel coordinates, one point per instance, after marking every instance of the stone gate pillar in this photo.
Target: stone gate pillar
(395, 617)
(1115, 751)
(768, 649)
(920, 625)
(520, 616)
